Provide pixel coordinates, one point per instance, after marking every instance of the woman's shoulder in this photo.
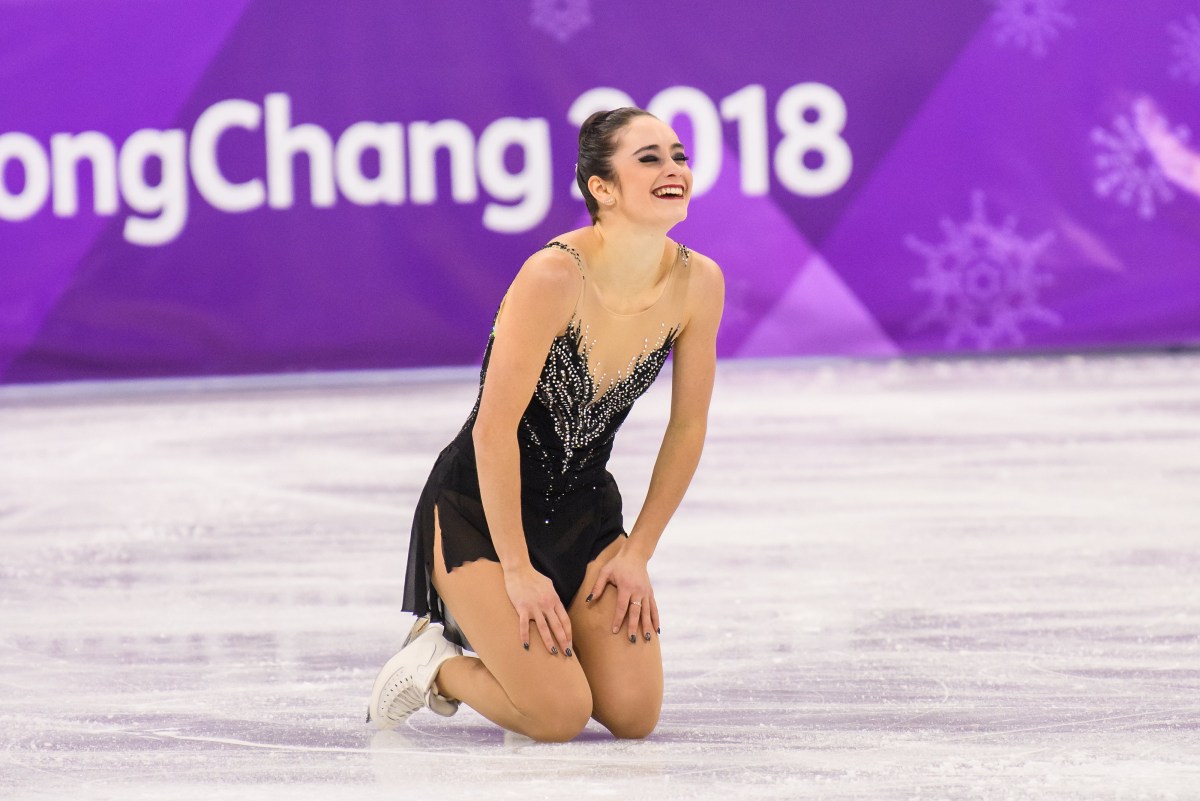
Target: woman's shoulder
(550, 272)
(705, 293)
(570, 245)
(701, 268)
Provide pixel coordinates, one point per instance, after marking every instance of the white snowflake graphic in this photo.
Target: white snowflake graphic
(1030, 24)
(1128, 170)
(1185, 49)
(562, 19)
(983, 280)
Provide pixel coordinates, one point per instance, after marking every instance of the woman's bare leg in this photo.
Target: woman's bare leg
(626, 677)
(533, 692)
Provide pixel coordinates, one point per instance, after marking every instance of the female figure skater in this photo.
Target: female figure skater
(519, 521)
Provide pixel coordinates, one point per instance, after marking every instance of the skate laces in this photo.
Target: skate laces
(402, 696)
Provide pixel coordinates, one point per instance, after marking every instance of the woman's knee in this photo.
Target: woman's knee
(628, 714)
(557, 717)
(631, 724)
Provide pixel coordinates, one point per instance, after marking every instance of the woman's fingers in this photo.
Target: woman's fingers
(647, 626)
(639, 618)
(622, 609)
(523, 629)
(547, 637)
(561, 625)
(654, 616)
(554, 627)
(599, 587)
(635, 608)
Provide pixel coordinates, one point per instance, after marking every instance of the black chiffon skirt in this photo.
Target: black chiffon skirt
(563, 535)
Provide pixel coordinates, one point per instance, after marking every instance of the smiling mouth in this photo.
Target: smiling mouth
(669, 193)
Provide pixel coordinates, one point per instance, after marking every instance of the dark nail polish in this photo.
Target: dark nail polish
(568, 652)
(632, 638)
(585, 600)
(526, 646)
(554, 649)
(658, 630)
(647, 636)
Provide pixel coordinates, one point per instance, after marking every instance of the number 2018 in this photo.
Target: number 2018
(747, 108)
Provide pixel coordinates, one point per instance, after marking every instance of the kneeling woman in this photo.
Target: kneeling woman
(520, 521)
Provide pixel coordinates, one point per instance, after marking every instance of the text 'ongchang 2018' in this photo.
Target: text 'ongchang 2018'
(389, 163)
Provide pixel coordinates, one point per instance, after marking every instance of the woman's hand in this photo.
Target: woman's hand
(635, 598)
(534, 598)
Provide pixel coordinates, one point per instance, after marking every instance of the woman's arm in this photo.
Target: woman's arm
(695, 361)
(537, 305)
(691, 390)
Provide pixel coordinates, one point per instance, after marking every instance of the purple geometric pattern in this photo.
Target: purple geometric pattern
(355, 186)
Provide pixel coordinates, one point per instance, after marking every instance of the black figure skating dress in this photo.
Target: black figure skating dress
(570, 504)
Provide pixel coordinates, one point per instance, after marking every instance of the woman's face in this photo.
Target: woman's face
(654, 184)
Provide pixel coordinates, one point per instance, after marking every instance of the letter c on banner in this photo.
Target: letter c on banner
(206, 173)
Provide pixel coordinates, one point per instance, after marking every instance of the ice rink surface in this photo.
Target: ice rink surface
(889, 580)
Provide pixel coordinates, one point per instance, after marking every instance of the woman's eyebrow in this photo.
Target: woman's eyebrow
(654, 147)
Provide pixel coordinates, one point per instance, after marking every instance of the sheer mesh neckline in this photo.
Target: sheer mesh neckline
(623, 384)
(614, 374)
(681, 254)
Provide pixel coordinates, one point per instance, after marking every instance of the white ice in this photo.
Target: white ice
(914, 579)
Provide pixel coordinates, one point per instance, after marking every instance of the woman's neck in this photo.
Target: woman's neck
(627, 259)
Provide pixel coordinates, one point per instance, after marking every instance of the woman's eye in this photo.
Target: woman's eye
(681, 157)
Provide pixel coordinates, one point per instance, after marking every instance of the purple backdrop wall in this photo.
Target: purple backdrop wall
(230, 186)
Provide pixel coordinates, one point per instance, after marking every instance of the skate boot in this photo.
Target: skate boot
(406, 682)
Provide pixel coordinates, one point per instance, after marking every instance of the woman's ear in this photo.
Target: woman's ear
(601, 191)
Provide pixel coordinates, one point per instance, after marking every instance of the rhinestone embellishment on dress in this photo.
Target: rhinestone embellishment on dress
(579, 403)
(582, 405)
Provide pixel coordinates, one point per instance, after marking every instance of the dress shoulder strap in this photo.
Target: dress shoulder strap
(578, 263)
(684, 253)
(563, 246)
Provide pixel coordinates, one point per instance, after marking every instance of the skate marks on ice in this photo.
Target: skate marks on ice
(905, 579)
